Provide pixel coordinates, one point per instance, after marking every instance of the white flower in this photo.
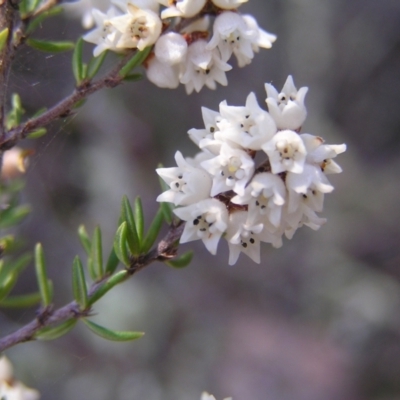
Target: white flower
(171, 48)
(203, 67)
(187, 184)
(249, 127)
(260, 38)
(321, 154)
(231, 170)
(204, 138)
(161, 74)
(139, 28)
(265, 196)
(207, 396)
(287, 107)
(152, 5)
(286, 152)
(105, 36)
(232, 33)
(17, 391)
(181, 8)
(6, 369)
(307, 187)
(228, 4)
(205, 220)
(243, 237)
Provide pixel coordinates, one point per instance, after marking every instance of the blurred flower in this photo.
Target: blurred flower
(15, 162)
(207, 396)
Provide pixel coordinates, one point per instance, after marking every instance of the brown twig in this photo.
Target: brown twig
(47, 317)
(64, 108)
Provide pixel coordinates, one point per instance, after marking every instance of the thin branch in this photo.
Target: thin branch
(64, 108)
(165, 250)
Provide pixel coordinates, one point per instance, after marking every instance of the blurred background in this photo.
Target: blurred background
(319, 318)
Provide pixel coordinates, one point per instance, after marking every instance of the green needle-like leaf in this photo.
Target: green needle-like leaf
(79, 284)
(114, 280)
(132, 236)
(7, 285)
(3, 38)
(50, 46)
(77, 63)
(118, 336)
(95, 64)
(23, 301)
(41, 276)
(97, 254)
(37, 133)
(14, 267)
(153, 231)
(39, 19)
(133, 77)
(182, 261)
(51, 333)
(13, 215)
(84, 238)
(139, 218)
(120, 244)
(112, 262)
(135, 61)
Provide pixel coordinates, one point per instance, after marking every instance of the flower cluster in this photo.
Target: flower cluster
(193, 39)
(11, 389)
(256, 179)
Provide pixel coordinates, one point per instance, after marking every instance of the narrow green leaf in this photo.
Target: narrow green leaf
(139, 218)
(118, 336)
(114, 280)
(37, 133)
(7, 243)
(182, 261)
(35, 23)
(97, 253)
(95, 64)
(84, 238)
(41, 276)
(167, 212)
(13, 215)
(23, 301)
(112, 262)
(136, 60)
(50, 46)
(120, 244)
(3, 38)
(79, 103)
(15, 267)
(153, 231)
(15, 115)
(77, 63)
(51, 333)
(132, 236)
(79, 284)
(133, 77)
(7, 285)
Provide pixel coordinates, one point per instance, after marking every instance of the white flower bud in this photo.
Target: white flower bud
(229, 4)
(171, 48)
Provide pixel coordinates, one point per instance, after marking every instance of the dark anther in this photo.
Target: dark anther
(196, 221)
(252, 240)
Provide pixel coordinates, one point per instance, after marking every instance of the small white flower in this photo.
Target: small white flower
(243, 237)
(265, 195)
(206, 220)
(187, 184)
(307, 187)
(171, 48)
(204, 138)
(249, 127)
(17, 391)
(152, 5)
(181, 8)
(287, 107)
(203, 67)
(229, 4)
(139, 28)
(260, 37)
(231, 170)
(163, 75)
(105, 36)
(321, 154)
(286, 152)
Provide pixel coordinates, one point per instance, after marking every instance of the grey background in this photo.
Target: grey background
(318, 319)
